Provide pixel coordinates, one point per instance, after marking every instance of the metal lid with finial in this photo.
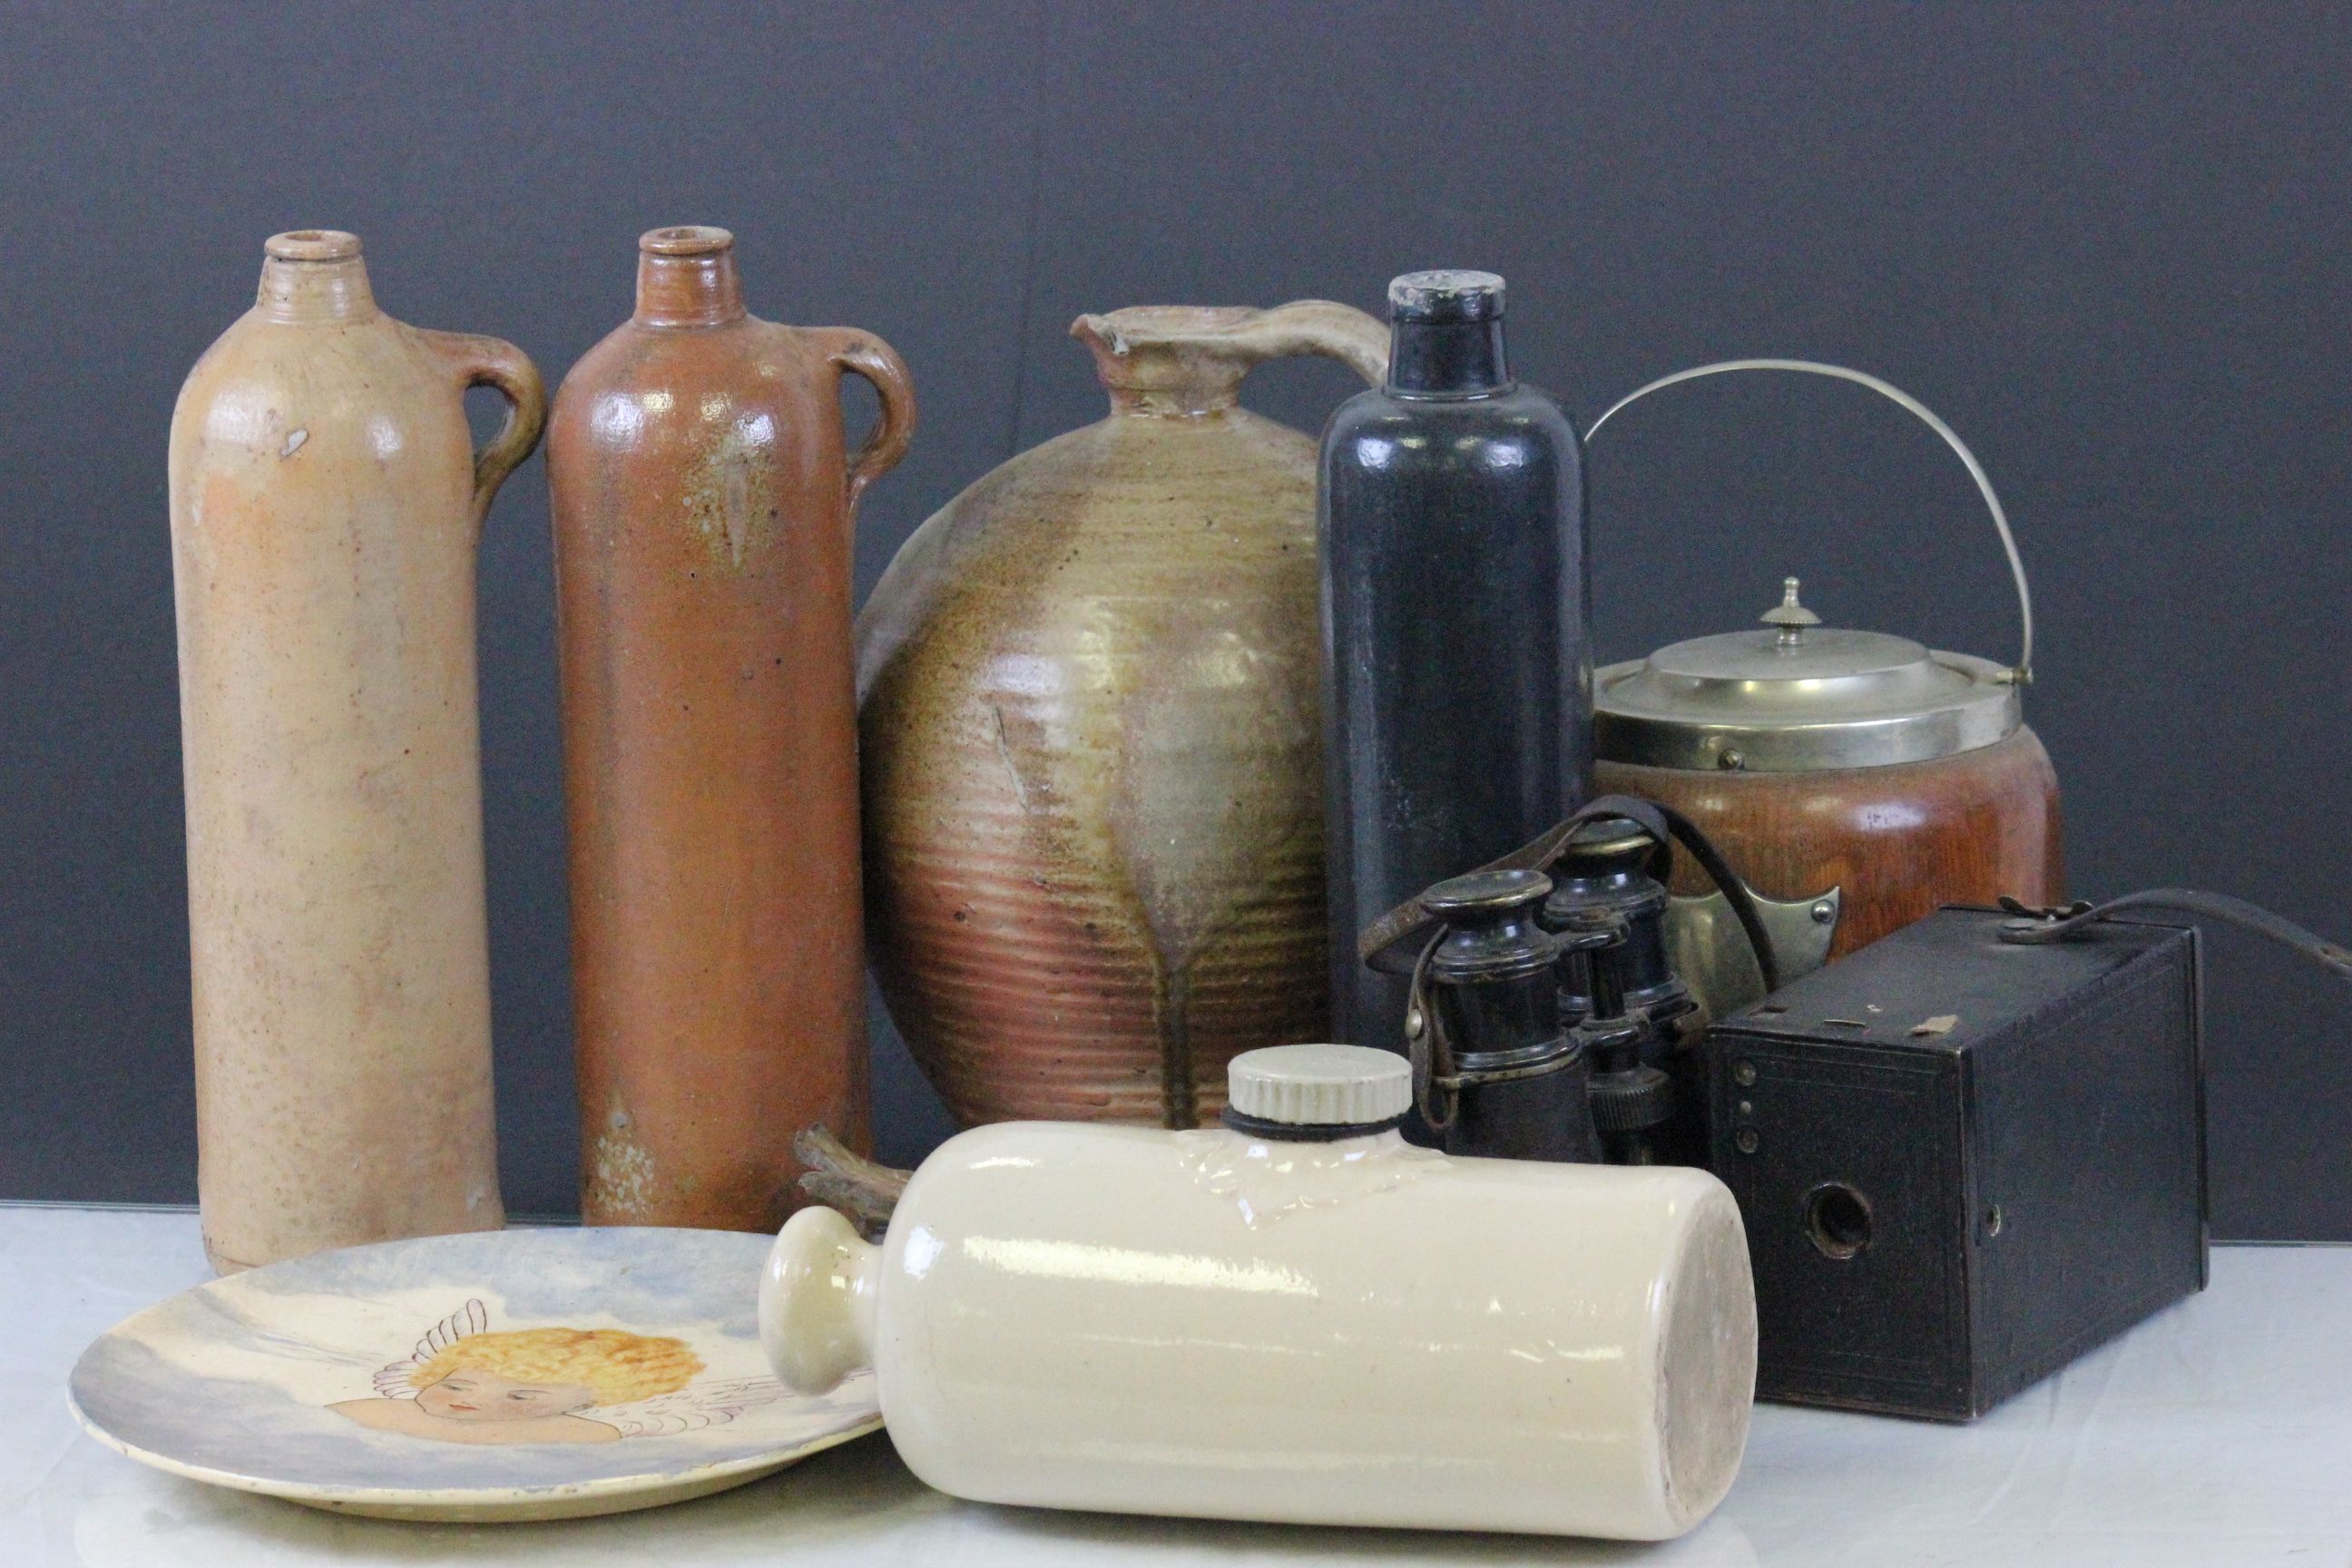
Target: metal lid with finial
(1800, 696)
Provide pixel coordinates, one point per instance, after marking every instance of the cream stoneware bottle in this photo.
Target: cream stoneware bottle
(1298, 1317)
(326, 503)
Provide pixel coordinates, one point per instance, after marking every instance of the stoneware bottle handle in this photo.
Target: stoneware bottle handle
(856, 353)
(1322, 327)
(1160, 348)
(495, 363)
(816, 1302)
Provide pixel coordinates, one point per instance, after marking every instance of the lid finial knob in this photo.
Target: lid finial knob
(1790, 617)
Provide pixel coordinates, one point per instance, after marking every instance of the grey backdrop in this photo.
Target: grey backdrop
(2109, 243)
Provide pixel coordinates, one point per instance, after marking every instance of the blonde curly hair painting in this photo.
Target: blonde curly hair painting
(463, 1383)
(616, 1367)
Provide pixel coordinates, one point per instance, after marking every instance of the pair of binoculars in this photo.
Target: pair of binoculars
(1544, 1019)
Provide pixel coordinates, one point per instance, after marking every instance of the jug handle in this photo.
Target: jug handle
(1323, 327)
(855, 353)
(1234, 341)
(2022, 674)
(499, 364)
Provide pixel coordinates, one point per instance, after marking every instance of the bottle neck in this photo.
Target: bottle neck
(1447, 358)
(698, 291)
(1365, 1135)
(1186, 400)
(302, 292)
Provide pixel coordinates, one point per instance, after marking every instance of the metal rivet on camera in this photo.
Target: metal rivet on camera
(1746, 1108)
(1823, 913)
(1732, 761)
(1746, 1140)
(1743, 1073)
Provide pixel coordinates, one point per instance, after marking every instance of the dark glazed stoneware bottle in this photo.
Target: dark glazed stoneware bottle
(703, 501)
(1458, 677)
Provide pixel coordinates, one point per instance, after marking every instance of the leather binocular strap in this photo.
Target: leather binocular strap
(1429, 1045)
(1393, 942)
(2041, 925)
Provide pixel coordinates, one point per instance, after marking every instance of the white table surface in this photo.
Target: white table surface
(2217, 1435)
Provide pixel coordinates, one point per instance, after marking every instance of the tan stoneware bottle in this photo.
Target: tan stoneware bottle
(1091, 729)
(703, 502)
(326, 505)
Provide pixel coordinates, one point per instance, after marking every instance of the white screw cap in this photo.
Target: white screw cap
(1320, 1086)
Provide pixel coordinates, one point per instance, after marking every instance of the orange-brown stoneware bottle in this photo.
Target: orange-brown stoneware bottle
(702, 502)
(327, 503)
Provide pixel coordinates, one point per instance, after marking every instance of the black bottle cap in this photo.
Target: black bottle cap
(1446, 296)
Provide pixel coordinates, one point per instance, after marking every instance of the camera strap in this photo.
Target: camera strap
(2057, 923)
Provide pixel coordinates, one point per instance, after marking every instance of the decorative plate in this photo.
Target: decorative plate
(513, 1374)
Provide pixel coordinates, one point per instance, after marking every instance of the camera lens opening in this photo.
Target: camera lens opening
(1837, 1219)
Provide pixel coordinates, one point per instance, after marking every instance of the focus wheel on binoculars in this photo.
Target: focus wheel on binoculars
(1601, 1035)
(1591, 930)
(1633, 1099)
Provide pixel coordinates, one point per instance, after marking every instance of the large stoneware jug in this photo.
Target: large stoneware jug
(326, 505)
(703, 497)
(1090, 724)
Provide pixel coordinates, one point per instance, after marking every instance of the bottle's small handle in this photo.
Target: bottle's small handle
(2023, 671)
(1200, 348)
(1319, 327)
(855, 353)
(495, 363)
(816, 1302)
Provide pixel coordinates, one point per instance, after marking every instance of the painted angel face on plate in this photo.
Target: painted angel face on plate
(463, 1383)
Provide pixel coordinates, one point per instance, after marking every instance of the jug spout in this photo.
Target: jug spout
(1186, 360)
